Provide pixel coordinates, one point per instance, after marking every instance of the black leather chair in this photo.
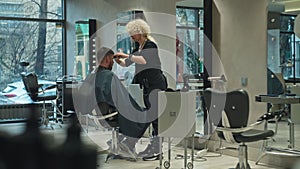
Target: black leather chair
(37, 93)
(229, 112)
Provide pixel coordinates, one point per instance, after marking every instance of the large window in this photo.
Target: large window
(189, 32)
(40, 9)
(283, 47)
(31, 31)
(289, 49)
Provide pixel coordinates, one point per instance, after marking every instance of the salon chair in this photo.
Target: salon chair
(103, 117)
(37, 94)
(229, 113)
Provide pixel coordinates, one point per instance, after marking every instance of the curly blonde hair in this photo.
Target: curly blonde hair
(139, 26)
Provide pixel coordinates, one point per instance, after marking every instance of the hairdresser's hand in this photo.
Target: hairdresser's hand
(118, 60)
(121, 55)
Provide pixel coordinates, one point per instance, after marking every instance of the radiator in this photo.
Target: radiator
(20, 111)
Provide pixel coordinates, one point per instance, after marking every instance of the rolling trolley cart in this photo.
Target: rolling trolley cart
(177, 118)
(65, 85)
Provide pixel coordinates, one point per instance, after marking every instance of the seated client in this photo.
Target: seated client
(109, 89)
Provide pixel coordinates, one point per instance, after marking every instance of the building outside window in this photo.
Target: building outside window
(31, 31)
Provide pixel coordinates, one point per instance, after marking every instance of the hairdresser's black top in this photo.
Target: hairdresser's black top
(148, 75)
(150, 54)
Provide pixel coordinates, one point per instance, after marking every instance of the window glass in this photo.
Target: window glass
(287, 23)
(274, 51)
(286, 54)
(189, 52)
(289, 49)
(30, 42)
(44, 9)
(297, 57)
(201, 18)
(201, 40)
(25, 36)
(283, 49)
(190, 49)
(189, 43)
(186, 17)
(201, 51)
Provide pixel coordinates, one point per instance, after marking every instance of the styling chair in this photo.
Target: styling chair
(106, 118)
(37, 94)
(229, 112)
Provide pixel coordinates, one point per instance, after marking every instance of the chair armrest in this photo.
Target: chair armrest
(50, 87)
(272, 115)
(265, 117)
(40, 86)
(238, 130)
(47, 88)
(102, 117)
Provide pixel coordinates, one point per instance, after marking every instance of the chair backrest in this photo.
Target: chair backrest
(31, 85)
(104, 109)
(235, 104)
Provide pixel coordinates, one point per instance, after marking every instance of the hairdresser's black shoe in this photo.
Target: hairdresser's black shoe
(150, 150)
(153, 157)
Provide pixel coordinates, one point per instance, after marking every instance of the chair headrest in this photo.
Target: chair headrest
(234, 103)
(31, 84)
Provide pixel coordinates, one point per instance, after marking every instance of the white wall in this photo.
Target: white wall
(161, 19)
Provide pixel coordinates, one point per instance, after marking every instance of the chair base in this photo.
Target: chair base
(243, 158)
(242, 155)
(48, 123)
(45, 117)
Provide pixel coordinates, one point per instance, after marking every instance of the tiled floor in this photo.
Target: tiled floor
(209, 161)
(99, 137)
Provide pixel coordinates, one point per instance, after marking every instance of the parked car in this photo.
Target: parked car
(15, 93)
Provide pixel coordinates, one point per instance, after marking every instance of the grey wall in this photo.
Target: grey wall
(240, 39)
(160, 17)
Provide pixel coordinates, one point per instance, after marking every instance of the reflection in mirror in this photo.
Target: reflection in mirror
(297, 26)
(84, 53)
(125, 44)
(283, 63)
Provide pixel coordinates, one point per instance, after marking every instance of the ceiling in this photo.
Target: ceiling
(190, 3)
(286, 6)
